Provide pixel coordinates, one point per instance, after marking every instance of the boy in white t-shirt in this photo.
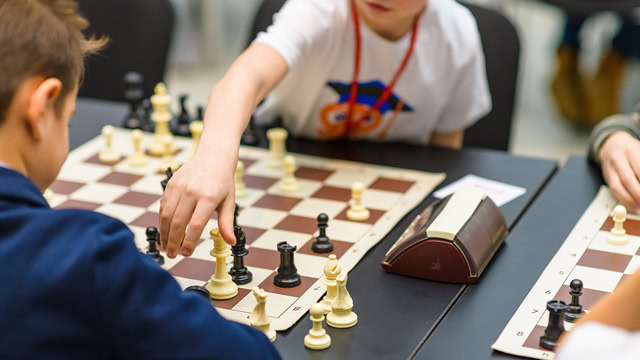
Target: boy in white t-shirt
(385, 70)
(611, 330)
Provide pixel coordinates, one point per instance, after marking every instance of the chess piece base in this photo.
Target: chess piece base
(617, 239)
(358, 214)
(289, 186)
(572, 317)
(156, 148)
(287, 282)
(222, 289)
(322, 247)
(547, 342)
(137, 160)
(342, 321)
(241, 191)
(108, 157)
(317, 342)
(241, 276)
(155, 255)
(270, 333)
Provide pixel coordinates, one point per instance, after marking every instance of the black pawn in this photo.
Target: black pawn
(322, 245)
(239, 273)
(153, 252)
(555, 328)
(134, 95)
(200, 290)
(287, 272)
(164, 182)
(574, 310)
(249, 136)
(146, 124)
(184, 119)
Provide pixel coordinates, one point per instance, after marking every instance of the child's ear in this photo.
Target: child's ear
(42, 101)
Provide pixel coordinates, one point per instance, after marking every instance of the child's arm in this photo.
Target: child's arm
(452, 140)
(206, 183)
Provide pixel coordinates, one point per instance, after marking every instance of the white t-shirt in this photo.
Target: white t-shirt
(443, 88)
(595, 341)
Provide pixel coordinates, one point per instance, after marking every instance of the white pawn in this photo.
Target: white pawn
(167, 158)
(617, 235)
(317, 339)
(241, 188)
(341, 315)
(220, 286)
(138, 158)
(357, 211)
(258, 318)
(331, 271)
(196, 132)
(277, 146)
(108, 155)
(289, 183)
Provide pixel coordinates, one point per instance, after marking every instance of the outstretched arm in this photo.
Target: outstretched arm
(205, 184)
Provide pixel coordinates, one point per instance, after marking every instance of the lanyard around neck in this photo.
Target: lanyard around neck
(353, 94)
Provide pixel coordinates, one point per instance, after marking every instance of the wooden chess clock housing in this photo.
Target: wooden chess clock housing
(452, 240)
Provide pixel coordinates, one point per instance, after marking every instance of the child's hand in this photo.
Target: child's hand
(201, 186)
(620, 158)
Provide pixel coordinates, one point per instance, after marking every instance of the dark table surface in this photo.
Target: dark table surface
(395, 313)
(485, 308)
(585, 7)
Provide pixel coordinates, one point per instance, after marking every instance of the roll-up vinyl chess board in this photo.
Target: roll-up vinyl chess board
(267, 215)
(586, 255)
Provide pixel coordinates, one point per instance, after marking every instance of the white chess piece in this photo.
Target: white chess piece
(341, 315)
(258, 318)
(317, 339)
(331, 271)
(289, 183)
(617, 235)
(48, 194)
(241, 188)
(196, 132)
(277, 147)
(167, 158)
(161, 116)
(357, 211)
(220, 286)
(108, 155)
(137, 158)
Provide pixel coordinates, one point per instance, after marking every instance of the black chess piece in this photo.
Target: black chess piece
(134, 94)
(153, 239)
(200, 290)
(249, 136)
(239, 273)
(146, 124)
(555, 328)
(322, 245)
(574, 310)
(184, 119)
(287, 272)
(164, 182)
(200, 113)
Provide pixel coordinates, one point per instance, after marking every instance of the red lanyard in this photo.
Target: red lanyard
(356, 72)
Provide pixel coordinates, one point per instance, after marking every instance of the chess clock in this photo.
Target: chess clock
(452, 240)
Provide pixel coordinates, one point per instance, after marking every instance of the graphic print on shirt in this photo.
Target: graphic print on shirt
(333, 116)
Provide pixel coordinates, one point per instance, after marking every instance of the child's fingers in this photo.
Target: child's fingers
(199, 220)
(629, 180)
(179, 222)
(168, 207)
(618, 189)
(225, 219)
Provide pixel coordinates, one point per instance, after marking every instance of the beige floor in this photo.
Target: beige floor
(538, 130)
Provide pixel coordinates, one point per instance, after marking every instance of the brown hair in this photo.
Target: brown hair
(42, 38)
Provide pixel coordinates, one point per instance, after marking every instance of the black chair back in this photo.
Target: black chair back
(501, 46)
(140, 33)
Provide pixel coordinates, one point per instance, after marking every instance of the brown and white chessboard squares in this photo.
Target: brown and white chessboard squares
(601, 268)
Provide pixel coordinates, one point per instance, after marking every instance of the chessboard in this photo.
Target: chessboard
(267, 215)
(585, 255)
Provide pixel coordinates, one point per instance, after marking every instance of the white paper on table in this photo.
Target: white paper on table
(500, 193)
